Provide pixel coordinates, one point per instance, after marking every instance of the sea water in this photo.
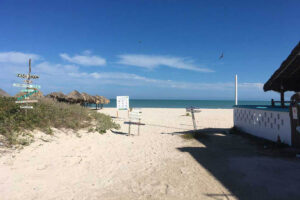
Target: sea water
(150, 103)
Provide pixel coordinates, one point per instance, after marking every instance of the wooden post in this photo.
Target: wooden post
(129, 127)
(193, 117)
(294, 120)
(236, 90)
(139, 126)
(282, 98)
(272, 102)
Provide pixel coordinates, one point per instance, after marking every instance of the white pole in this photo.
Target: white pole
(236, 90)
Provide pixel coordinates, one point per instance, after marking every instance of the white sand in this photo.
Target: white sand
(116, 166)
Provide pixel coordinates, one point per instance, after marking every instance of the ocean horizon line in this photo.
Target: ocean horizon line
(194, 99)
(163, 103)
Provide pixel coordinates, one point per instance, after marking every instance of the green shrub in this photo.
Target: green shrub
(90, 129)
(48, 113)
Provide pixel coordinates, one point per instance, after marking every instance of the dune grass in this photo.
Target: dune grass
(48, 114)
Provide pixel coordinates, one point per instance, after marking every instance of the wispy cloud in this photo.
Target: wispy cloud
(85, 59)
(250, 85)
(55, 70)
(129, 79)
(14, 57)
(152, 61)
(67, 77)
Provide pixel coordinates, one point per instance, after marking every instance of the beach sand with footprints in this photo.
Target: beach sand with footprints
(157, 164)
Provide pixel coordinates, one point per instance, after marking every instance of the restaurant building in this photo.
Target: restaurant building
(278, 122)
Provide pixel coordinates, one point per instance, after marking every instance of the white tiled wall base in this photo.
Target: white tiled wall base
(264, 123)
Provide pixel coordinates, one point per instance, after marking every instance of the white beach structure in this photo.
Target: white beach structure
(264, 122)
(275, 122)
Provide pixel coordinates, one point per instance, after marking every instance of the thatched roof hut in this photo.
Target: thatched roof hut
(287, 77)
(88, 98)
(75, 97)
(98, 99)
(101, 100)
(106, 101)
(3, 93)
(57, 95)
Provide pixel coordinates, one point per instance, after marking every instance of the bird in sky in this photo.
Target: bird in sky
(222, 56)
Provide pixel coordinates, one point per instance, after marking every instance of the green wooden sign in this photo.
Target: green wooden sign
(27, 95)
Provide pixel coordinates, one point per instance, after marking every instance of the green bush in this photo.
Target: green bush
(48, 113)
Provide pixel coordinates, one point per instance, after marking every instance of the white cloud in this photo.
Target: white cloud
(250, 85)
(152, 61)
(128, 79)
(46, 68)
(85, 59)
(60, 77)
(17, 57)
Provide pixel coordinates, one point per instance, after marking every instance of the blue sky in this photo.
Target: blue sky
(148, 49)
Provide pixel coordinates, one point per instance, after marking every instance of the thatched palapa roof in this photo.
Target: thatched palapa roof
(98, 99)
(106, 101)
(57, 95)
(75, 97)
(287, 77)
(101, 100)
(88, 98)
(3, 93)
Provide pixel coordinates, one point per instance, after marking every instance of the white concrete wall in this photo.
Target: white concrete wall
(266, 124)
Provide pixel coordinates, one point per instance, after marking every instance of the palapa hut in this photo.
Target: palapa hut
(100, 100)
(75, 97)
(278, 124)
(59, 96)
(287, 77)
(3, 93)
(88, 98)
(106, 101)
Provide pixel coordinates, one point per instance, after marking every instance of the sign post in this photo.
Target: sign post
(236, 90)
(29, 89)
(134, 116)
(193, 110)
(122, 103)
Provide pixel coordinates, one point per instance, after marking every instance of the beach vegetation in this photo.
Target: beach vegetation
(191, 135)
(45, 115)
(188, 136)
(90, 129)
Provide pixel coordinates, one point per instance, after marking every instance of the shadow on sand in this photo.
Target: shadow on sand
(244, 166)
(119, 132)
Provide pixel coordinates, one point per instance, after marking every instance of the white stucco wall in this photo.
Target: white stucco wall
(266, 124)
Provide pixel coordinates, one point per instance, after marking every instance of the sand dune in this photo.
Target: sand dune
(116, 166)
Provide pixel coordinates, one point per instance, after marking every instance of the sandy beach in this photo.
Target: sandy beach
(157, 164)
(113, 165)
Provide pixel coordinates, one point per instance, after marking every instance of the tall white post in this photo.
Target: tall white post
(236, 90)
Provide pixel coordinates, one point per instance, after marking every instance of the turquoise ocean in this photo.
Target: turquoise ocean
(150, 103)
